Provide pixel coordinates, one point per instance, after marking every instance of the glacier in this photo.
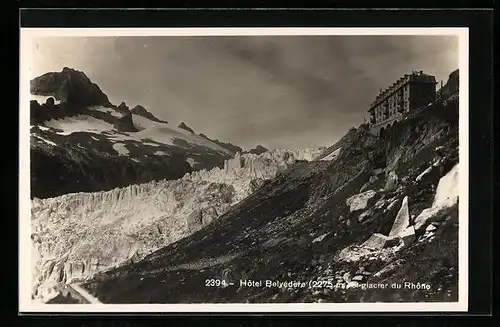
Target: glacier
(77, 235)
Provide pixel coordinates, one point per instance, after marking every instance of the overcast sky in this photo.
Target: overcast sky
(278, 91)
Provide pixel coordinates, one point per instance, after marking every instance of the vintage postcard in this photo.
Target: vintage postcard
(243, 170)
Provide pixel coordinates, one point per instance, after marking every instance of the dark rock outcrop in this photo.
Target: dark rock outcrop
(141, 111)
(125, 124)
(70, 86)
(259, 149)
(48, 110)
(185, 127)
(257, 183)
(123, 108)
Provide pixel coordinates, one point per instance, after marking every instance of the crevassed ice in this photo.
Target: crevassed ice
(113, 226)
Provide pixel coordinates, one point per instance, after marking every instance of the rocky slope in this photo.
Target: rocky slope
(77, 235)
(383, 211)
(82, 142)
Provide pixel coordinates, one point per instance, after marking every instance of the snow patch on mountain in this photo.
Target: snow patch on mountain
(105, 110)
(165, 134)
(332, 155)
(42, 128)
(148, 131)
(149, 143)
(46, 141)
(191, 162)
(79, 123)
(121, 148)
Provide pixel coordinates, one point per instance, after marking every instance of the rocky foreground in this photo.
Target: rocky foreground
(378, 221)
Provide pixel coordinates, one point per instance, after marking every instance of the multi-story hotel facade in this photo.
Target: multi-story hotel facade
(409, 92)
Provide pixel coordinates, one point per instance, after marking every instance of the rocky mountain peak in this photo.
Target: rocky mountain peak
(123, 108)
(141, 111)
(185, 127)
(259, 149)
(70, 86)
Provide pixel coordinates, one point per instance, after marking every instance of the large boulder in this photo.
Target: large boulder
(391, 182)
(376, 242)
(408, 236)
(360, 201)
(402, 220)
(446, 196)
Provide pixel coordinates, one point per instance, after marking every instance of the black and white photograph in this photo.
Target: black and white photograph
(251, 169)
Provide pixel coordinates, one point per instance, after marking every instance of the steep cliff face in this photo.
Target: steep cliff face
(77, 235)
(325, 220)
(451, 87)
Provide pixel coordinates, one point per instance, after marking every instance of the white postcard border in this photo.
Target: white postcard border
(27, 305)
